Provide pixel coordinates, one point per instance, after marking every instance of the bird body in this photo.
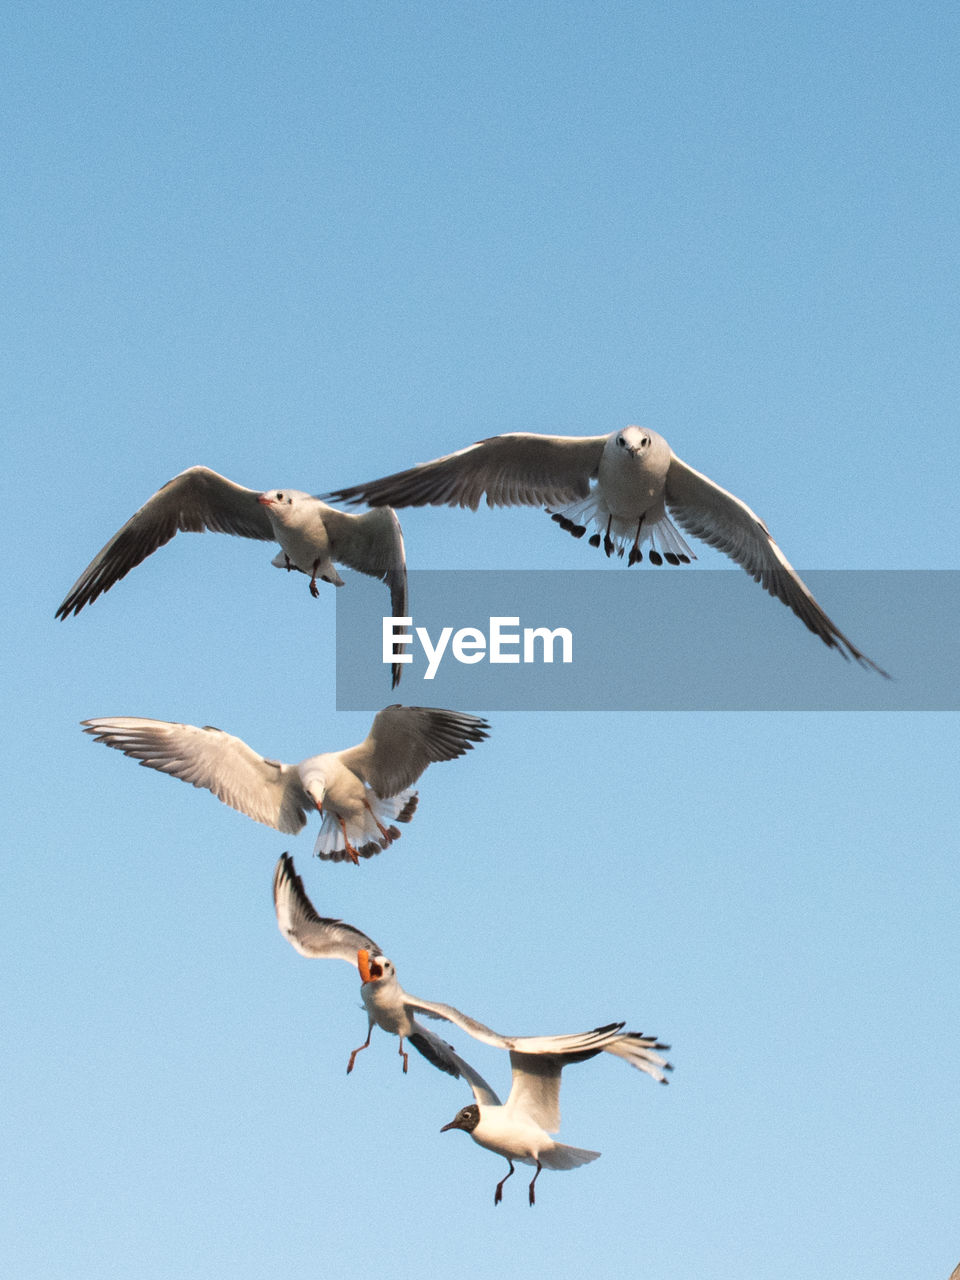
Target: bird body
(361, 791)
(629, 485)
(311, 534)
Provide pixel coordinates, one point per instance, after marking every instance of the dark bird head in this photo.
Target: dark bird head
(467, 1119)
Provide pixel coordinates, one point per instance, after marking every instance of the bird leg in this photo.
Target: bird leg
(607, 540)
(380, 827)
(533, 1197)
(365, 1045)
(346, 843)
(289, 563)
(314, 590)
(403, 1054)
(635, 552)
(498, 1194)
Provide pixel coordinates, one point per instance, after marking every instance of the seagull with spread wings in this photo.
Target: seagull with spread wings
(311, 534)
(395, 1010)
(361, 791)
(624, 484)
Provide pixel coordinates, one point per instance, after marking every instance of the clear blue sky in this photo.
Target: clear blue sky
(307, 244)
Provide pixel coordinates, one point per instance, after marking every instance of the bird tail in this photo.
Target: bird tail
(561, 1156)
(364, 833)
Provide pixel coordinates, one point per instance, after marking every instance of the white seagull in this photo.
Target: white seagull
(638, 479)
(320, 937)
(361, 791)
(311, 535)
(394, 1010)
(521, 1128)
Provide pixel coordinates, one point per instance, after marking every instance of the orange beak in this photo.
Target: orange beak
(363, 964)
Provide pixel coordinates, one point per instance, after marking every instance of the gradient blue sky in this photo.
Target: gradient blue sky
(308, 244)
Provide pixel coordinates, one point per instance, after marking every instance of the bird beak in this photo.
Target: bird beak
(363, 964)
(452, 1125)
(264, 500)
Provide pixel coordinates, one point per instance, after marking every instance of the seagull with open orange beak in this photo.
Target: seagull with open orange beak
(396, 1011)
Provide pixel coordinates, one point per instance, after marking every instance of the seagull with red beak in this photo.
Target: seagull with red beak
(311, 534)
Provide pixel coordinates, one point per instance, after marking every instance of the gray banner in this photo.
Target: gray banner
(651, 640)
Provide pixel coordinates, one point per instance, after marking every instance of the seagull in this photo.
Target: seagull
(311, 534)
(520, 1128)
(320, 937)
(361, 791)
(638, 479)
(394, 1010)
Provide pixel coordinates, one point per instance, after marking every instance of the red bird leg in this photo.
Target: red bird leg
(314, 590)
(533, 1197)
(403, 1054)
(380, 827)
(498, 1194)
(347, 845)
(365, 1045)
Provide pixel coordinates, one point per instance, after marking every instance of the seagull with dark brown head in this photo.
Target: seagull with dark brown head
(624, 484)
(311, 534)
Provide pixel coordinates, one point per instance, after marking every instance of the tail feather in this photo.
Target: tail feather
(561, 1156)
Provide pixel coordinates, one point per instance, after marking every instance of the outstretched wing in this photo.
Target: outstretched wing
(311, 934)
(513, 470)
(724, 522)
(194, 500)
(403, 740)
(265, 790)
(372, 543)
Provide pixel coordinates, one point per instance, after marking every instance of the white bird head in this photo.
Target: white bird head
(374, 968)
(467, 1118)
(283, 505)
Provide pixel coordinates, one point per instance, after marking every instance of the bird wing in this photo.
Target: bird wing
(724, 522)
(266, 790)
(517, 469)
(640, 1052)
(443, 1056)
(403, 740)
(535, 1091)
(372, 543)
(195, 500)
(311, 934)
(483, 1093)
(585, 1041)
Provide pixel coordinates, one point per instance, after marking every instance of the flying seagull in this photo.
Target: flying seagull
(638, 480)
(361, 791)
(394, 1010)
(520, 1128)
(311, 535)
(320, 937)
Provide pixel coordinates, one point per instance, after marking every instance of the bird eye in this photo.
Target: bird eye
(620, 441)
(279, 497)
(645, 441)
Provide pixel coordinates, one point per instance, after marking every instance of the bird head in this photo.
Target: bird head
(467, 1118)
(374, 968)
(282, 504)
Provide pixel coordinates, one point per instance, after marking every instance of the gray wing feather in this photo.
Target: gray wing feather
(516, 469)
(372, 543)
(311, 934)
(403, 740)
(264, 790)
(195, 500)
(723, 521)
